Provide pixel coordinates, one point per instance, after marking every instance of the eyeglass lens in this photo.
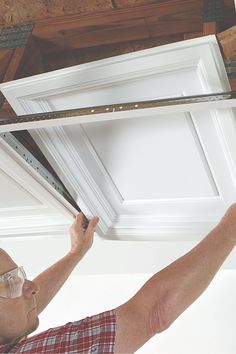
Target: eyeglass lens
(11, 283)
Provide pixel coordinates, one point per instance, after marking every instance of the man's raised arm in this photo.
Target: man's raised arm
(51, 280)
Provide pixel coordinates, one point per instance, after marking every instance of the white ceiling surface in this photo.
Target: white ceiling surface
(163, 178)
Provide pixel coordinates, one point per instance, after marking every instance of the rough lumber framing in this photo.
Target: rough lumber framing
(6, 109)
(227, 41)
(73, 39)
(33, 61)
(13, 44)
(213, 11)
(53, 61)
(113, 26)
(5, 58)
(14, 64)
(14, 12)
(210, 28)
(233, 83)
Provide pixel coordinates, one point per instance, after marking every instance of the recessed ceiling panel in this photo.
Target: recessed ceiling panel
(28, 204)
(121, 91)
(153, 158)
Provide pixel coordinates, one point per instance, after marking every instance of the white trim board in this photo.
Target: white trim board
(73, 152)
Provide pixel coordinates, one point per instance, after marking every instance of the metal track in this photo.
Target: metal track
(230, 66)
(15, 36)
(37, 166)
(116, 107)
(213, 10)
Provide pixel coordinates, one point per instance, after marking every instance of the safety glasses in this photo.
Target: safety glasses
(11, 283)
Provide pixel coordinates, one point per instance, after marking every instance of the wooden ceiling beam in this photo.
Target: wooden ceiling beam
(13, 48)
(33, 62)
(14, 64)
(165, 18)
(227, 41)
(5, 58)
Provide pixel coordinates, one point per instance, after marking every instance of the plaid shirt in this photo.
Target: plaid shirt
(95, 334)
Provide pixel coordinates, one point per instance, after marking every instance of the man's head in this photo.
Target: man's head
(18, 315)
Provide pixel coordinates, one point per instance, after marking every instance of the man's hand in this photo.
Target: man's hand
(82, 233)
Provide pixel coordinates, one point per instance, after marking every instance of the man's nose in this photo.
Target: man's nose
(29, 288)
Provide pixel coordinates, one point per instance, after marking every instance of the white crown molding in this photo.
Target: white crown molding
(78, 178)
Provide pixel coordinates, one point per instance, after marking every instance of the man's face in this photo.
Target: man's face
(18, 316)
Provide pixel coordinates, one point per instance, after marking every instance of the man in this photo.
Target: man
(122, 330)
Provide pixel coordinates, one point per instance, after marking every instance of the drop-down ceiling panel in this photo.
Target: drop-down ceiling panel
(29, 205)
(168, 177)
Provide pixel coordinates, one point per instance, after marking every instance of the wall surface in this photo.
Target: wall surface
(105, 257)
(207, 327)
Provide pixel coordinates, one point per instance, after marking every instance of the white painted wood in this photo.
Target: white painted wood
(157, 177)
(28, 204)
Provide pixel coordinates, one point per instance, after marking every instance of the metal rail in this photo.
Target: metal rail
(106, 109)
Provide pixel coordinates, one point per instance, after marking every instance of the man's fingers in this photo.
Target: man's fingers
(92, 224)
(81, 219)
(83, 223)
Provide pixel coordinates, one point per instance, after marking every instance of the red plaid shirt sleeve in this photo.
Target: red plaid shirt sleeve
(95, 334)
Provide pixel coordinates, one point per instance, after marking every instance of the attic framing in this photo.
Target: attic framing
(63, 41)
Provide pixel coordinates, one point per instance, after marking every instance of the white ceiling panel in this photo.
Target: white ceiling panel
(28, 204)
(152, 149)
(156, 177)
(12, 193)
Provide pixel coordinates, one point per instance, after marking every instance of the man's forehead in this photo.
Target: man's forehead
(6, 262)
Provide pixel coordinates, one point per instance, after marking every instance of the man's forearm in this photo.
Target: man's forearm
(51, 280)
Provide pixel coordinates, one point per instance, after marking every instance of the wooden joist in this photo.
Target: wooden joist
(164, 18)
(14, 64)
(13, 44)
(227, 41)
